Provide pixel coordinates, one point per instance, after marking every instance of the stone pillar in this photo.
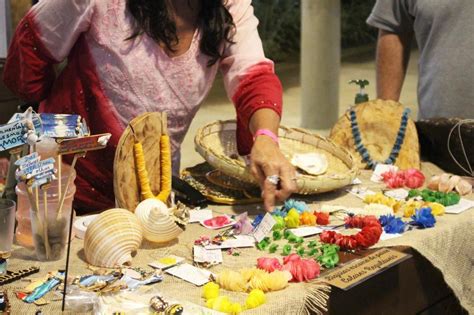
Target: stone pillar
(320, 62)
(5, 27)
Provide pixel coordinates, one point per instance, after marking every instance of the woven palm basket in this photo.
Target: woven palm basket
(216, 143)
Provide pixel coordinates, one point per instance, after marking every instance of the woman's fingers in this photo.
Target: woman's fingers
(287, 183)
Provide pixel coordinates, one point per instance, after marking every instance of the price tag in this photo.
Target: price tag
(189, 273)
(264, 228)
(203, 255)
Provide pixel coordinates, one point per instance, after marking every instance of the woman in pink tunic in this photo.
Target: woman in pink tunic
(127, 57)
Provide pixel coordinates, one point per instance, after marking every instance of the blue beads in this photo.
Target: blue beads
(396, 146)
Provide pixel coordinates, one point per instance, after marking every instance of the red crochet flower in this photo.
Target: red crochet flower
(268, 264)
(322, 218)
(370, 234)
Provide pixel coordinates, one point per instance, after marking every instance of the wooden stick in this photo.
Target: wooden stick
(68, 181)
(71, 218)
(60, 162)
(45, 225)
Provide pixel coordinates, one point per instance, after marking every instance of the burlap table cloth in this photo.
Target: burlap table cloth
(449, 246)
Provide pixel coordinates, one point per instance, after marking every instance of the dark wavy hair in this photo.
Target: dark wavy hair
(153, 18)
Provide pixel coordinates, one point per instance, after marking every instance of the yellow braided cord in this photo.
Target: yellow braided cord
(165, 160)
(141, 171)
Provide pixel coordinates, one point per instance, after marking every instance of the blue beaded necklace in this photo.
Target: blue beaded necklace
(363, 150)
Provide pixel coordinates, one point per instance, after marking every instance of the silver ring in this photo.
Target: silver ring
(274, 179)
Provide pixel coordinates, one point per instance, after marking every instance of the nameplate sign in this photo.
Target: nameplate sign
(12, 135)
(360, 270)
(84, 144)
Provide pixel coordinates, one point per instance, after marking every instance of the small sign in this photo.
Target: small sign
(12, 135)
(463, 205)
(196, 216)
(84, 144)
(189, 273)
(203, 255)
(380, 169)
(264, 228)
(240, 241)
(358, 271)
(306, 231)
(166, 262)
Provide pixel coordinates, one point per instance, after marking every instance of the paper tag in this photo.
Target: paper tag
(356, 181)
(218, 222)
(463, 205)
(203, 255)
(264, 228)
(189, 273)
(306, 231)
(11, 135)
(398, 194)
(380, 169)
(357, 271)
(84, 144)
(166, 262)
(239, 241)
(386, 236)
(360, 192)
(199, 215)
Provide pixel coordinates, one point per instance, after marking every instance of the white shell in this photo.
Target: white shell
(463, 187)
(157, 221)
(311, 163)
(112, 238)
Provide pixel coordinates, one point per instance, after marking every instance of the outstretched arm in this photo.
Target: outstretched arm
(393, 54)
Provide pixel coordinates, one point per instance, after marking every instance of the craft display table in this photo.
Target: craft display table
(440, 269)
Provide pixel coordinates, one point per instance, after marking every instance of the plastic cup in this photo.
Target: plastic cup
(7, 226)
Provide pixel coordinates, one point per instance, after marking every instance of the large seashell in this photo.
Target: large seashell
(452, 182)
(463, 187)
(112, 238)
(443, 185)
(434, 183)
(311, 163)
(158, 223)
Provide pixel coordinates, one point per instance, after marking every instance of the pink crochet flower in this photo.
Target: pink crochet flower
(268, 264)
(414, 178)
(301, 269)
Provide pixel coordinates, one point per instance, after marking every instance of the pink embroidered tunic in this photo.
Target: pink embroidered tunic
(110, 80)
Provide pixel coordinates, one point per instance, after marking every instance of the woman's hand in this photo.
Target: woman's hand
(266, 160)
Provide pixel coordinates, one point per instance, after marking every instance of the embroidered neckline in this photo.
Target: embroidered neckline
(356, 135)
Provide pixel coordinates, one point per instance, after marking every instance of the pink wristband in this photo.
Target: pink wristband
(268, 133)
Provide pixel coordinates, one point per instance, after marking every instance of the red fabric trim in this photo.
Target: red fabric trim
(29, 71)
(260, 89)
(78, 90)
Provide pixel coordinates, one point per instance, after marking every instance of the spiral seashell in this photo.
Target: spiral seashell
(158, 223)
(463, 187)
(434, 183)
(443, 185)
(112, 238)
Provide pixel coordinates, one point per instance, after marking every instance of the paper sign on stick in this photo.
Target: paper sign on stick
(85, 144)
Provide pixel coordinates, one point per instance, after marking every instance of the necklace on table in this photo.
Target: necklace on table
(363, 150)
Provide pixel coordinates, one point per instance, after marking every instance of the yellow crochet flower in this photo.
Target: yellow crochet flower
(436, 208)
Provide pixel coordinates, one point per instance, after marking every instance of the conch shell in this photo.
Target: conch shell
(447, 183)
(158, 222)
(311, 163)
(112, 238)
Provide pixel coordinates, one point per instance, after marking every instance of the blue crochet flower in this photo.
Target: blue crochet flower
(392, 224)
(257, 220)
(423, 218)
(299, 206)
(281, 212)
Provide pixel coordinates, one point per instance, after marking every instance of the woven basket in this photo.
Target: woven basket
(217, 145)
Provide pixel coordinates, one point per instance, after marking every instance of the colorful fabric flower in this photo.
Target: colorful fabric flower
(411, 178)
(268, 264)
(292, 219)
(307, 218)
(301, 269)
(299, 206)
(392, 224)
(423, 218)
(414, 178)
(279, 223)
(322, 218)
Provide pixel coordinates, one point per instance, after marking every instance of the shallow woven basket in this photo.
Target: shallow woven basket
(217, 145)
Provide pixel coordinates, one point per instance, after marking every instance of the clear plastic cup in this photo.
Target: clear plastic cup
(50, 231)
(7, 226)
